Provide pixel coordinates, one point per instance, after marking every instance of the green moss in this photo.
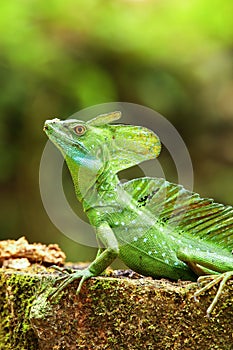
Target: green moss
(17, 293)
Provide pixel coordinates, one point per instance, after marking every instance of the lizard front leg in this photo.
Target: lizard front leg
(103, 259)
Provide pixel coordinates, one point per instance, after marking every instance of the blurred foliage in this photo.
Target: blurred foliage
(57, 57)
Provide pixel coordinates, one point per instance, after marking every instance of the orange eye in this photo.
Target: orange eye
(80, 130)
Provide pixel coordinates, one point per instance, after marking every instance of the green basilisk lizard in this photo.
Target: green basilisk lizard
(157, 228)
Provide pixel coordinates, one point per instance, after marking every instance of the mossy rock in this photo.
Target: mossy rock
(110, 313)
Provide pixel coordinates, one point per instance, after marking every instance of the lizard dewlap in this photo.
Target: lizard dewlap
(157, 228)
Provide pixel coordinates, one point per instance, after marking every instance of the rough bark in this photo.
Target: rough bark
(110, 313)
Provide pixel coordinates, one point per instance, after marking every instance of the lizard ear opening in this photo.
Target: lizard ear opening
(132, 145)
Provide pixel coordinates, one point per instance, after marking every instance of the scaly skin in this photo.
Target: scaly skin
(157, 228)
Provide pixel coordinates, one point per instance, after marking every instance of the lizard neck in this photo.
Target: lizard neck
(87, 181)
(104, 192)
(96, 190)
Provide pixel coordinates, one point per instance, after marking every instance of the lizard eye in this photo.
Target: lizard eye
(80, 130)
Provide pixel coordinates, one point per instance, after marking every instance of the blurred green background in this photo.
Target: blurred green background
(57, 57)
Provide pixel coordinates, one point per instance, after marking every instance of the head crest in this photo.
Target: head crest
(104, 118)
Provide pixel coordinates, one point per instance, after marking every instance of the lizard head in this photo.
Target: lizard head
(91, 148)
(73, 139)
(96, 144)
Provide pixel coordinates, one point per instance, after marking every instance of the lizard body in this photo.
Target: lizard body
(157, 228)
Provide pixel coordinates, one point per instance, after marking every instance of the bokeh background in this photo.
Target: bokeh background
(57, 57)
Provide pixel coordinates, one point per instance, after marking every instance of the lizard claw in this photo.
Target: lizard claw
(214, 279)
(62, 269)
(69, 278)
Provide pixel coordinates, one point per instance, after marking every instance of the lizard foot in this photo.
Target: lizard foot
(68, 277)
(214, 279)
